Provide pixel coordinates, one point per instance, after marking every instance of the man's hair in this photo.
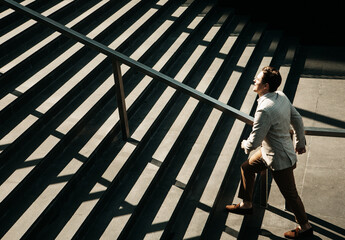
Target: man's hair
(271, 76)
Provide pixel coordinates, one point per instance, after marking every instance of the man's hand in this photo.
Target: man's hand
(243, 146)
(243, 143)
(300, 150)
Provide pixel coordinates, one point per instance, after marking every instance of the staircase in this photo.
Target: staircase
(65, 171)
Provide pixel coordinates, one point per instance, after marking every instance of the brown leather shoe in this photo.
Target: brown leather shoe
(235, 208)
(298, 234)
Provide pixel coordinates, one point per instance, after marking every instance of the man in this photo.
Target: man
(271, 131)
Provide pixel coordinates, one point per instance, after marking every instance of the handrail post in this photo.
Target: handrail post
(264, 188)
(120, 98)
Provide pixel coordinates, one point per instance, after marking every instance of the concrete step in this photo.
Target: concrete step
(8, 16)
(44, 42)
(28, 25)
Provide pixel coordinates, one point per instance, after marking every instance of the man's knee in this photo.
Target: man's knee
(245, 166)
(253, 166)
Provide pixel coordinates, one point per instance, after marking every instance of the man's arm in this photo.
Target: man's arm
(260, 129)
(297, 124)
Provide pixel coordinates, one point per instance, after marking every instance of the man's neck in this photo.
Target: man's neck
(262, 94)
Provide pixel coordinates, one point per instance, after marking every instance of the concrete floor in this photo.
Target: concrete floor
(320, 178)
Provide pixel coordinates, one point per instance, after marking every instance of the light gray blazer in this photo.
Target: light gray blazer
(273, 117)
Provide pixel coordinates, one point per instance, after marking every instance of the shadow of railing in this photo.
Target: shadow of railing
(320, 226)
(321, 118)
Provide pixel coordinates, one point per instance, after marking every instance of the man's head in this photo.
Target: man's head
(268, 80)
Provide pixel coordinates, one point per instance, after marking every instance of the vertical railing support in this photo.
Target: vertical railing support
(264, 188)
(120, 98)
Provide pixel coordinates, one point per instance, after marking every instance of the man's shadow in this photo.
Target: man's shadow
(270, 235)
(320, 226)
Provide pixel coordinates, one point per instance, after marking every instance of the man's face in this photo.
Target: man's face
(259, 87)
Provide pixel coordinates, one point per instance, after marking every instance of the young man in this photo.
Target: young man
(271, 131)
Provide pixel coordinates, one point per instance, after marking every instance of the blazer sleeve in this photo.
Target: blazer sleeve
(297, 124)
(260, 129)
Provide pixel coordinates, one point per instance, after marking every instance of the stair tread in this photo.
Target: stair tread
(28, 53)
(30, 23)
(7, 12)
